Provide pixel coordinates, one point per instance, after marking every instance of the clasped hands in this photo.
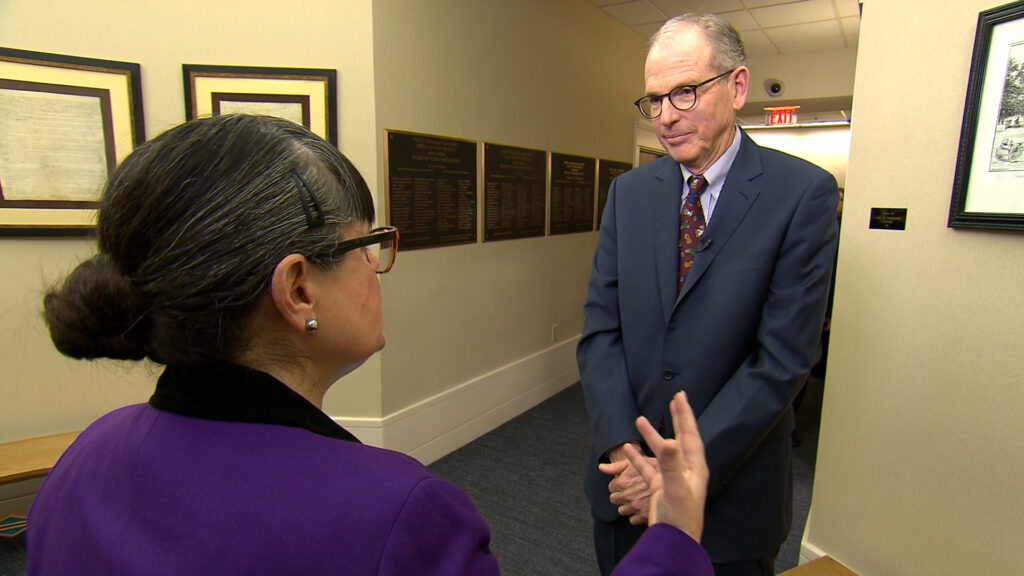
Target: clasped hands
(670, 488)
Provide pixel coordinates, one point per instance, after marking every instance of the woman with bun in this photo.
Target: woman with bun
(237, 251)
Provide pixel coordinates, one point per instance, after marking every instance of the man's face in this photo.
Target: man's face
(699, 136)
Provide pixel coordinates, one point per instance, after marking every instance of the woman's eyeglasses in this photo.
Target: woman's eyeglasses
(380, 245)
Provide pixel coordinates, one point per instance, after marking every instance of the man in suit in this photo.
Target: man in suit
(721, 295)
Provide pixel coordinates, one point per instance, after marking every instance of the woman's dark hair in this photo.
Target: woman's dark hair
(191, 227)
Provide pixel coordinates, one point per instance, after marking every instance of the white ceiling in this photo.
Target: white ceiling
(767, 26)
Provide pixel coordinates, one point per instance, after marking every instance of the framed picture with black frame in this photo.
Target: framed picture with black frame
(65, 124)
(988, 189)
(306, 96)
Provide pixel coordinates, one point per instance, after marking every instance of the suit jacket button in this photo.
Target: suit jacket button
(668, 374)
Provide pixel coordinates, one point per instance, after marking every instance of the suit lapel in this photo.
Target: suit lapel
(665, 200)
(734, 201)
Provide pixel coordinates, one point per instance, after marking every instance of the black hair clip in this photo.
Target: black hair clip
(310, 205)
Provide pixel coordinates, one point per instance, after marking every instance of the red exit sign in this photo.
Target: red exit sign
(780, 115)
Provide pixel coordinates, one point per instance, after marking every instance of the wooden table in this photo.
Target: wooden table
(24, 460)
(824, 566)
(32, 457)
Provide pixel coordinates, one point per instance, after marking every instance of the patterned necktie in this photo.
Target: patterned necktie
(691, 225)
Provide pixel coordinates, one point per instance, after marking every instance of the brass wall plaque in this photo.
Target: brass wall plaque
(607, 170)
(514, 192)
(572, 193)
(888, 219)
(431, 188)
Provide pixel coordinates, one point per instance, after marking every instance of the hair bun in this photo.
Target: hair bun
(97, 313)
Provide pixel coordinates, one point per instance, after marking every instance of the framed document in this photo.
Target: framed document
(988, 189)
(306, 96)
(65, 123)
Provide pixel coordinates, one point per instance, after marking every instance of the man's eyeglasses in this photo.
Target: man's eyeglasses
(381, 246)
(682, 98)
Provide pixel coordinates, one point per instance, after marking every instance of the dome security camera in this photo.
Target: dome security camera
(774, 87)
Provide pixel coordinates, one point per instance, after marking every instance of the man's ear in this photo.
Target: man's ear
(740, 85)
(293, 292)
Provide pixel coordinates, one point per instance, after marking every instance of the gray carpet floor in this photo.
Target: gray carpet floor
(526, 479)
(12, 555)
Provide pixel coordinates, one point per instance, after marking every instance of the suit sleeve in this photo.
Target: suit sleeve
(665, 551)
(753, 400)
(600, 354)
(438, 531)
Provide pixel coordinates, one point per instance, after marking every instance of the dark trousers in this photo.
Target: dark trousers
(612, 540)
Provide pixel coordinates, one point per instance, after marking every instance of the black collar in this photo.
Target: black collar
(238, 394)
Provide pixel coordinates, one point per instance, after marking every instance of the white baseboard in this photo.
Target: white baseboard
(809, 552)
(435, 427)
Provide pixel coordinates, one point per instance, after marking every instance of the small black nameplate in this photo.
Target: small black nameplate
(888, 219)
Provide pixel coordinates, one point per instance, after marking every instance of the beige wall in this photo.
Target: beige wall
(920, 463)
(539, 74)
(921, 458)
(826, 146)
(42, 391)
(554, 76)
(806, 75)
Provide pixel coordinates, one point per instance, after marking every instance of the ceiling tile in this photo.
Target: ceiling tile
(677, 7)
(635, 12)
(741, 20)
(851, 29)
(794, 13)
(648, 30)
(767, 26)
(759, 3)
(851, 26)
(846, 8)
(807, 37)
(755, 43)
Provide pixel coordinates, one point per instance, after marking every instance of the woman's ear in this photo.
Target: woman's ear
(292, 290)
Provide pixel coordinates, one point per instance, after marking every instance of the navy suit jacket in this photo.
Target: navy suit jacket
(739, 338)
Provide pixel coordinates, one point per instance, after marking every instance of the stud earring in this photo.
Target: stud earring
(312, 325)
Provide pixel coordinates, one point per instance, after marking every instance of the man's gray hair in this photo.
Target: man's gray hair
(726, 46)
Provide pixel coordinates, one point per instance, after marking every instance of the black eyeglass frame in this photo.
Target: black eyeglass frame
(652, 98)
(378, 235)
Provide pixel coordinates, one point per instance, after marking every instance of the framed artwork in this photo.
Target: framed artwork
(306, 96)
(646, 155)
(65, 123)
(988, 189)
